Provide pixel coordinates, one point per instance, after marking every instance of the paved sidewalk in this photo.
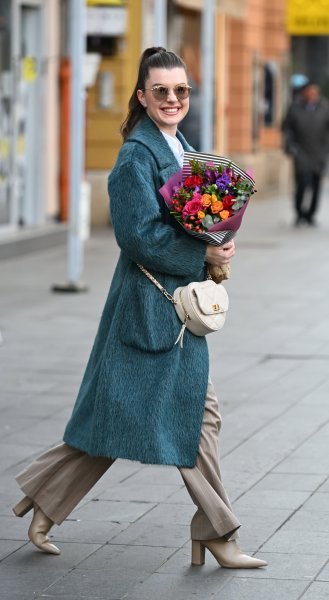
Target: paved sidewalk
(130, 537)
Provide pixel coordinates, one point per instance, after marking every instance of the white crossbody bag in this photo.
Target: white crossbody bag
(201, 305)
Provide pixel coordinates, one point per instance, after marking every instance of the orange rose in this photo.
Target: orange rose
(224, 214)
(201, 214)
(206, 200)
(216, 207)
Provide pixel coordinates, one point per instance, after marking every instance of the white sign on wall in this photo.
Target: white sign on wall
(106, 21)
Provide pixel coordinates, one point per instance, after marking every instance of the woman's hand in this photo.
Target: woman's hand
(220, 255)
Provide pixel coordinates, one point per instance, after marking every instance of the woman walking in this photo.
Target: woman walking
(143, 397)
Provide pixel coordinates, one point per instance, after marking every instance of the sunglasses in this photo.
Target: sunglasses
(161, 92)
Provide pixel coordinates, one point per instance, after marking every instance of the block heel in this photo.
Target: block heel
(198, 553)
(23, 507)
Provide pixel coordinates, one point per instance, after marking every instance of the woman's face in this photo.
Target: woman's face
(170, 110)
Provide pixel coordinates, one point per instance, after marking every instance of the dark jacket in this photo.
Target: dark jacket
(142, 397)
(306, 134)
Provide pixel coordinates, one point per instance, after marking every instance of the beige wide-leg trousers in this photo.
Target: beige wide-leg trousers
(61, 477)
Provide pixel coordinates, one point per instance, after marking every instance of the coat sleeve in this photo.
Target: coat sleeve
(289, 141)
(138, 222)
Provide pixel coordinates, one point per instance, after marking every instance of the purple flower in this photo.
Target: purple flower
(223, 182)
(210, 175)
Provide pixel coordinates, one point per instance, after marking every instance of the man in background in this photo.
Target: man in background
(306, 137)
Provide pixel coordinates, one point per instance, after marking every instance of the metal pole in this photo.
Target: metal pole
(160, 23)
(75, 244)
(77, 147)
(207, 62)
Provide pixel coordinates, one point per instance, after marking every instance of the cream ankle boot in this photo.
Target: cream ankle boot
(227, 554)
(40, 525)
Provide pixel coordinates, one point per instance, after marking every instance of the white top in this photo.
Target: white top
(175, 146)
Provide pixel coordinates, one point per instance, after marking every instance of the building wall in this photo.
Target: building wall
(242, 48)
(103, 139)
(256, 42)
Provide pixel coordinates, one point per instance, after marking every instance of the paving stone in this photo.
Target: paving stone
(91, 595)
(109, 584)
(108, 510)
(137, 558)
(147, 534)
(7, 547)
(245, 422)
(324, 574)
(44, 433)
(177, 514)
(298, 542)
(272, 499)
(324, 487)
(259, 525)
(290, 482)
(26, 583)
(13, 528)
(29, 557)
(318, 502)
(96, 532)
(181, 496)
(180, 562)
(11, 423)
(12, 455)
(286, 566)
(121, 470)
(317, 591)
(135, 492)
(157, 475)
(308, 521)
(245, 589)
(233, 475)
(303, 465)
(189, 584)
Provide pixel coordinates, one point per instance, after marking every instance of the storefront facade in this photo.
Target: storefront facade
(249, 85)
(28, 113)
(249, 93)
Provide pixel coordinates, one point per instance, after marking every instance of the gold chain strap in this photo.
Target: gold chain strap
(157, 284)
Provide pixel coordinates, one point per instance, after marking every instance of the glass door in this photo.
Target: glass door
(28, 113)
(5, 117)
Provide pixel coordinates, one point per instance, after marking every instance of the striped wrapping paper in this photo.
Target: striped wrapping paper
(224, 231)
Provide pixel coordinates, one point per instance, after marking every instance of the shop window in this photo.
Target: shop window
(104, 45)
(257, 104)
(270, 93)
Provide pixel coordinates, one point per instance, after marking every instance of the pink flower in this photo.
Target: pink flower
(191, 208)
(196, 196)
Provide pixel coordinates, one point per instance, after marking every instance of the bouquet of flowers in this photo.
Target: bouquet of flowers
(208, 197)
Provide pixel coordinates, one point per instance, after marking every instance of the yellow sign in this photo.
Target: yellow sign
(307, 17)
(105, 2)
(20, 146)
(4, 148)
(29, 68)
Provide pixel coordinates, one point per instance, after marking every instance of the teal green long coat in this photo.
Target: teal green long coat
(142, 397)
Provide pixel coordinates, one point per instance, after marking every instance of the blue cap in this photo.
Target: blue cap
(298, 80)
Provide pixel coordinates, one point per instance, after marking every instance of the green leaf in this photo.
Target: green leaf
(207, 221)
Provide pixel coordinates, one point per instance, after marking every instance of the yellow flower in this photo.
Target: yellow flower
(206, 200)
(201, 214)
(224, 214)
(216, 207)
(214, 198)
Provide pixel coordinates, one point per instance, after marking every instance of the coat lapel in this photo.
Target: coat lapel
(147, 133)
